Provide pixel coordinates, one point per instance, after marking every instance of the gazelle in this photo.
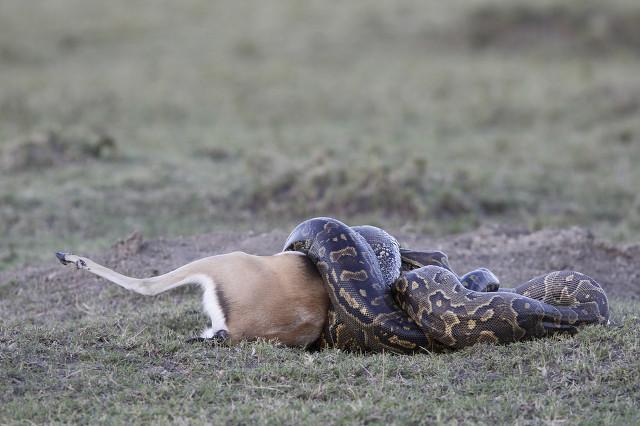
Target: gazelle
(278, 297)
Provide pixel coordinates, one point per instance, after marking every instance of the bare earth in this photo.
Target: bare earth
(514, 255)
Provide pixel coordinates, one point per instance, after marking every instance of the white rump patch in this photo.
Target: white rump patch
(211, 304)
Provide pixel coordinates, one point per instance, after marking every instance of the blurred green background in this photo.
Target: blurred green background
(176, 118)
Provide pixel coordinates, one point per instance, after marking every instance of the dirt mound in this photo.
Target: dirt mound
(514, 255)
(55, 148)
(586, 27)
(518, 255)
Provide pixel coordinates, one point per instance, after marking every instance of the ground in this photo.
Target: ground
(489, 129)
(78, 349)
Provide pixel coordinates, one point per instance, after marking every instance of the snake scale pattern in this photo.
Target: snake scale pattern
(384, 297)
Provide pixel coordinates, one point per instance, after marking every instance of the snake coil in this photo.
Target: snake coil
(384, 297)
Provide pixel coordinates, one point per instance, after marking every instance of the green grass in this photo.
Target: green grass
(113, 369)
(257, 114)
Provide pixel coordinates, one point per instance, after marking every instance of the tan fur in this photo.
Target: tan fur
(278, 297)
(274, 297)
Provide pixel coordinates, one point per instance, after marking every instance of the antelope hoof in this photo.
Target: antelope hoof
(218, 336)
(62, 258)
(221, 335)
(196, 339)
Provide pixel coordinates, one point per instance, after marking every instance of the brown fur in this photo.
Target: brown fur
(272, 297)
(278, 297)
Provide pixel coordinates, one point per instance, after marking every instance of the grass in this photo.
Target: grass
(110, 369)
(258, 114)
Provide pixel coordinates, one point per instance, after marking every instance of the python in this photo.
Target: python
(355, 288)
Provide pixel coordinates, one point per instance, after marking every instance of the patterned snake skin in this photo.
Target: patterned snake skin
(384, 297)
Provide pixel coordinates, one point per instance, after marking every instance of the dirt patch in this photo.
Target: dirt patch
(518, 255)
(130, 245)
(588, 28)
(55, 148)
(514, 255)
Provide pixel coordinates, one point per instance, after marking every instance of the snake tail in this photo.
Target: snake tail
(458, 317)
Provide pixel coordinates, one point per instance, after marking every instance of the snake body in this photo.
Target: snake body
(384, 297)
